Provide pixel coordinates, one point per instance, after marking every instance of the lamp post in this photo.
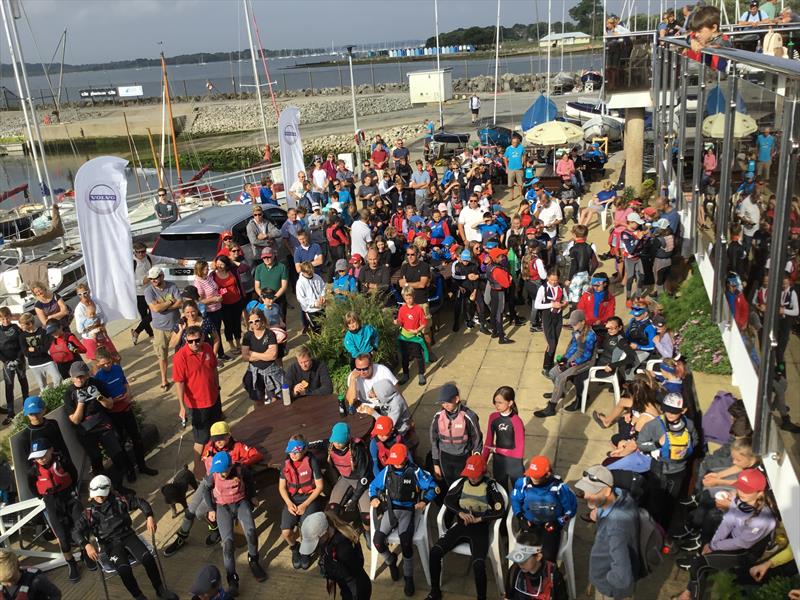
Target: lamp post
(353, 100)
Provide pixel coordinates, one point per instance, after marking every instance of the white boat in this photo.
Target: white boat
(602, 126)
(583, 109)
(62, 268)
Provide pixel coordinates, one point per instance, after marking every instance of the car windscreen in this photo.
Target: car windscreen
(196, 246)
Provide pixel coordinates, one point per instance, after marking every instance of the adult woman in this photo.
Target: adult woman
(191, 317)
(534, 274)
(565, 168)
(227, 280)
(341, 559)
(49, 305)
(709, 163)
(209, 296)
(599, 203)
(264, 377)
(643, 408)
(91, 329)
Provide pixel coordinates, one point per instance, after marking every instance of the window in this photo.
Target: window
(197, 246)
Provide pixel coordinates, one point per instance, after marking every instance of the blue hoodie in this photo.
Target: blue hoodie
(362, 341)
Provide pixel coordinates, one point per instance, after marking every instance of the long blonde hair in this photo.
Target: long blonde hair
(345, 528)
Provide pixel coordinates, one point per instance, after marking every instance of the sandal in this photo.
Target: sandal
(164, 387)
(596, 416)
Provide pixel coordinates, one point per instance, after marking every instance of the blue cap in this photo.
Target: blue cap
(490, 245)
(596, 145)
(295, 446)
(416, 219)
(637, 311)
(448, 241)
(750, 175)
(466, 255)
(33, 404)
(340, 434)
(598, 280)
(221, 462)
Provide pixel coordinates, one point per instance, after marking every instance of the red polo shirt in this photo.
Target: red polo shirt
(198, 372)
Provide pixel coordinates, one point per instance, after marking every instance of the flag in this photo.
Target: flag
(100, 192)
(291, 147)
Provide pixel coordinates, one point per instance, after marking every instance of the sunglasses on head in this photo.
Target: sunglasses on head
(594, 478)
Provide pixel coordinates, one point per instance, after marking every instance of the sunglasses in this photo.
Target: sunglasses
(410, 254)
(257, 214)
(363, 369)
(226, 238)
(140, 251)
(255, 322)
(593, 478)
(162, 195)
(193, 341)
(84, 294)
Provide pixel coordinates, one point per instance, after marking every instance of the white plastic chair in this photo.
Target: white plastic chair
(421, 541)
(564, 550)
(650, 365)
(604, 214)
(594, 377)
(494, 541)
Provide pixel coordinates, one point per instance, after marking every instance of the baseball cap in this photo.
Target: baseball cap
(78, 369)
(522, 552)
(295, 446)
(226, 234)
(658, 320)
(340, 433)
(649, 212)
(220, 463)
(313, 528)
(673, 403)
(99, 486)
(39, 448)
(341, 265)
(496, 253)
(577, 316)
(466, 255)
(32, 405)
(539, 467)
(751, 480)
(753, 3)
(267, 252)
(219, 430)
(530, 230)
(478, 188)
(315, 206)
(490, 244)
(383, 426)
(637, 311)
(447, 392)
(595, 479)
(52, 328)
(448, 241)
(206, 580)
(635, 218)
(155, 272)
(355, 258)
(397, 455)
(442, 207)
(661, 224)
(475, 466)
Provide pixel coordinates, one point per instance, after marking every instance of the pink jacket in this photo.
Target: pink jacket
(565, 168)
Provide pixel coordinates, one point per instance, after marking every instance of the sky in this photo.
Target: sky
(107, 30)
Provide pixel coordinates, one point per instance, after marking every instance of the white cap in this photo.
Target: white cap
(635, 218)
(99, 486)
(155, 272)
(478, 188)
(313, 528)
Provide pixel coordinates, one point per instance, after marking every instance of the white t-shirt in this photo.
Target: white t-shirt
(318, 177)
(298, 188)
(748, 211)
(550, 214)
(364, 385)
(360, 236)
(468, 218)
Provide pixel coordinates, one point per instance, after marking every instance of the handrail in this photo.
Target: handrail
(729, 30)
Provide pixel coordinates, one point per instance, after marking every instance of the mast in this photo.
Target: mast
(270, 83)
(496, 63)
(549, 42)
(438, 68)
(171, 120)
(21, 76)
(255, 72)
(563, 18)
(159, 172)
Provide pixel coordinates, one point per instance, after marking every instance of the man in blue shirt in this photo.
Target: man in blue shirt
(306, 251)
(666, 211)
(765, 143)
(513, 159)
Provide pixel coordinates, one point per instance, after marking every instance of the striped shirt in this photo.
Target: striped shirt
(206, 288)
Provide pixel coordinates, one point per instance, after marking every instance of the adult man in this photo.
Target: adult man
(669, 26)
(166, 209)
(367, 169)
(474, 106)
(272, 275)
(289, 230)
(766, 145)
(666, 211)
(513, 159)
(260, 232)
(194, 371)
(379, 156)
(142, 263)
(307, 251)
(360, 233)
(297, 190)
(399, 151)
(322, 176)
(363, 377)
(616, 542)
(470, 216)
(549, 213)
(403, 170)
(164, 300)
(753, 17)
(367, 191)
(455, 434)
(375, 277)
(417, 274)
(420, 180)
(307, 376)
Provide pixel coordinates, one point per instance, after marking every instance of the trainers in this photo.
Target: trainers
(7, 421)
(145, 470)
(504, 340)
(296, 558)
(88, 563)
(72, 571)
(305, 561)
(164, 594)
(233, 585)
(174, 545)
(421, 379)
(547, 395)
(131, 475)
(134, 337)
(685, 563)
(256, 569)
(690, 544)
(547, 411)
(432, 358)
(213, 537)
(394, 570)
(434, 595)
(402, 380)
(408, 588)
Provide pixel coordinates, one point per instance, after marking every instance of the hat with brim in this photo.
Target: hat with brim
(447, 392)
(341, 265)
(39, 448)
(155, 272)
(340, 434)
(33, 405)
(577, 316)
(522, 552)
(673, 403)
(313, 528)
(78, 369)
(595, 479)
(635, 218)
(751, 481)
(397, 455)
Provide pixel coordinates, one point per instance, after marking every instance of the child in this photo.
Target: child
(108, 519)
(35, 584)
(384, 437)
(455, 434)
(356, 264)
(400, 489)
(13, 360)
(65, 348)
(231, 491)
(35, 344)
(53, 478)
(311, 296)
(583, 262)
(550, 301)
(344, 284)
(40, 426)
(349, 462)
(631, 248)
(530, 572)
(569, 201)
(505, 439)
(300, 485)
(358, 339)
(412, 322)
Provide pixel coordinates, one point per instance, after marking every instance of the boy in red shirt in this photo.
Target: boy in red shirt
(412, 322)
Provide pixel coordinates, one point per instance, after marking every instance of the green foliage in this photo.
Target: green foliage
(629, 193)
(486, 36)
(223, 159)
(648, 188)
(696, 335)
(724, 586)
(339, 374)
(327, 344)
(776, 588)
(588, 14)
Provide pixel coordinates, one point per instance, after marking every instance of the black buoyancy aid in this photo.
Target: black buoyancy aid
(402, 486)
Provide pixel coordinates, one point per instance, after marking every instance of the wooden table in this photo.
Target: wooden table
(269, 428)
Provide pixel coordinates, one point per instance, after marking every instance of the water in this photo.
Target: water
(293, 74)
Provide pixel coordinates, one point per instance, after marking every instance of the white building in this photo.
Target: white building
(430, 86)
(570, 38)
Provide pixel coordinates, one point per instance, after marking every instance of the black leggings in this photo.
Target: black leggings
(452, 466)
(8, 379)
(144, 315)
(119, 551)
(551, 326)
(107, 441)
(126, 427)
(232, 320)
(216, 320)
(477, 536)
(62, 510)
(409, 350)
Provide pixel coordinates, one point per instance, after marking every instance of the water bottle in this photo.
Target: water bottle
(285, 393)
(342, 406)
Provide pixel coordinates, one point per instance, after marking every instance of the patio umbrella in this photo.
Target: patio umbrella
(743, 125)
(554, 133)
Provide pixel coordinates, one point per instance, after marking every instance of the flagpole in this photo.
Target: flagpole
(438, 68)
(496, 63)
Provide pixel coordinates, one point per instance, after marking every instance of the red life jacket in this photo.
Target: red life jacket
(384, 450)
(342, 462)
(52, 479)
(533, 272)
(25, 582)
(299, 478)
(452, 431)
(228, 490)
(62, 349)
(498, 277)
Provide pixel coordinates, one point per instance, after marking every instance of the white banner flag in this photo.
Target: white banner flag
(291, 147)
(100, 191)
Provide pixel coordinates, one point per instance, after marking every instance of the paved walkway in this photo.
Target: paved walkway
(476, 364)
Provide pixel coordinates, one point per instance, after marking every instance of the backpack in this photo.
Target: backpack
(650, 545)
